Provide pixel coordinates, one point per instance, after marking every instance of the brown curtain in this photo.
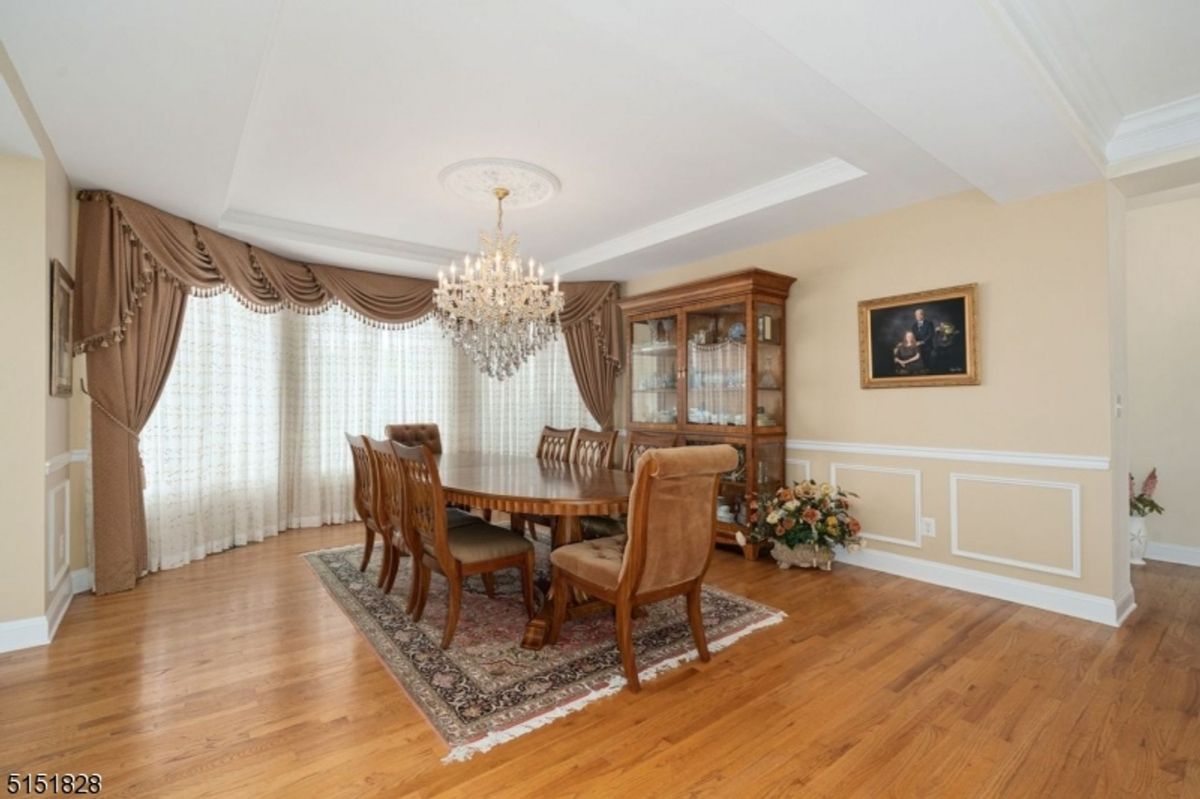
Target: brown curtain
(136, 266)
(593, 335)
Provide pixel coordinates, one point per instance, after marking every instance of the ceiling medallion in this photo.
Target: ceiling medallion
(477, 179)
(499, 311)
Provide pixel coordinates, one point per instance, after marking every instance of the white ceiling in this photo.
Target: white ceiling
(679, 128)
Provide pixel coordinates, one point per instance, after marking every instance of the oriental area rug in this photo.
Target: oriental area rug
(485, 689)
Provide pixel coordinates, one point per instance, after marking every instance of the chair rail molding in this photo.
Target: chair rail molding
(1044, 459)
(915, 474)
(64, 459)
(1073, 489)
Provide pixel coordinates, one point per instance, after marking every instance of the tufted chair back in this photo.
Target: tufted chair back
(672, 516)
(592, 448)
(416, 435)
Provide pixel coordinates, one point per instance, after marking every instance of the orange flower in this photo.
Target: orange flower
(810, 516)
(789, 523)
(855, 527)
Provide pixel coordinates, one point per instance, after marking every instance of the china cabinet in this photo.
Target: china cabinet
(707, 362)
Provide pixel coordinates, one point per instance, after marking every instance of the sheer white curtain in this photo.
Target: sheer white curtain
(249, 436)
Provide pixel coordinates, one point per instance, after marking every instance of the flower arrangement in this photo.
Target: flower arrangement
(807, 513)
(1142, 502)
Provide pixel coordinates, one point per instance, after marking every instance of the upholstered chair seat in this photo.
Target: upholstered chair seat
(474, 543)
(597, 561)
(459, 518)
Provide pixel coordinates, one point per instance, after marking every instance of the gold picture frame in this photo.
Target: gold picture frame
(62, 299)
(927, 338)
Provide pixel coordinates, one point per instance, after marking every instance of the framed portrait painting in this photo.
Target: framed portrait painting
(62, 296)
(928, 338)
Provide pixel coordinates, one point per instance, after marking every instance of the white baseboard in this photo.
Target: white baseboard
(1058, 600)
(1173, 553)
(82, 580)
(58, 608)
(36, 630)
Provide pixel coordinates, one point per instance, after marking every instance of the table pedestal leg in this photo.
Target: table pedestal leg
(566, 532)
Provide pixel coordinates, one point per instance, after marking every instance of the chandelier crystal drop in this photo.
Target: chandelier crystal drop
(499, 311)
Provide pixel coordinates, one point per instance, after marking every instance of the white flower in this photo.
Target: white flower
(791, 505)
(741, 539)
(773, 517)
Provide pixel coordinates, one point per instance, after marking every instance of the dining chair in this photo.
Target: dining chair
(364, 499)
(672, 531)
(388, 511)
(597, 526)
(594, 448)
(414, 435)
(454, 552)
(427, 434)
(555, 444)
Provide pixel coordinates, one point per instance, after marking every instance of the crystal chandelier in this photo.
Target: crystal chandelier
(499, 312)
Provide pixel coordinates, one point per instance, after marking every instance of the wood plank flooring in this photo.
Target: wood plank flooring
(239, 676)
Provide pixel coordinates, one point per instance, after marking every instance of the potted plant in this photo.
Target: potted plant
(805, 521)
(1141, 505)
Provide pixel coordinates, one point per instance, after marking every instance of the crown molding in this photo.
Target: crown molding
(1064, 66)
(270, 227)
(823, 175)
(1166, 127)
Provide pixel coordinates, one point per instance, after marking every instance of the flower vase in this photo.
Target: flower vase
(804, 556)
(1137, 540)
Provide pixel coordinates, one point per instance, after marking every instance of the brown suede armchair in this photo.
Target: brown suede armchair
(672, 530)
(597, 526)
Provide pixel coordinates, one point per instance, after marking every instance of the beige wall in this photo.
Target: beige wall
(23, 325)
(1163, 247)
(1042, 267)
(40, 232)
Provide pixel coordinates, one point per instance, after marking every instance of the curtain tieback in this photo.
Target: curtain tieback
(112, 417)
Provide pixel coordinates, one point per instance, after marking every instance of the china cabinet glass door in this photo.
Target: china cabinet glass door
(717, 366)
(768, 379)
(654, 371)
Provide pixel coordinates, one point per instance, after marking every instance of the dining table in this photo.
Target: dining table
(525, 485)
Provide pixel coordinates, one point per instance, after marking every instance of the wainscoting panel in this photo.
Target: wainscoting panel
(993, 518)
(58, 522)
(892, 500)
(802, 469)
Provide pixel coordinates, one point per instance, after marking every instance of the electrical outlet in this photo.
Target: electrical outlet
(928, 527)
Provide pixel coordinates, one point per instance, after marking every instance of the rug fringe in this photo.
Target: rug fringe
(465, 752)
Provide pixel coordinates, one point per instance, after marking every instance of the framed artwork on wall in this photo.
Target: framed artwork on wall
(62, 297)
(928, 338)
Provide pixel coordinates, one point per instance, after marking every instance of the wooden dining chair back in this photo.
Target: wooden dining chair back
(592, 448)
(555, 444)
(672, 531)
(640, 442)
(455, 552)
(364, 500)
(389, 509)
(415, 435)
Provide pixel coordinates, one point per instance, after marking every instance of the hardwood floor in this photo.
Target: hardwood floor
(239, 676)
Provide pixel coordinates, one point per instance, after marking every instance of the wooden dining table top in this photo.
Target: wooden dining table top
(525, 484)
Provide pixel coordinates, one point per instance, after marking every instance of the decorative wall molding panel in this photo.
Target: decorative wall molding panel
(807, 464)
(58, 524)
(1058, 600)
(915, 474)
(1173, 553)
(1042, 459)
(1073, 490)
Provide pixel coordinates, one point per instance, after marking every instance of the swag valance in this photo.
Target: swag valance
(136, 267)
